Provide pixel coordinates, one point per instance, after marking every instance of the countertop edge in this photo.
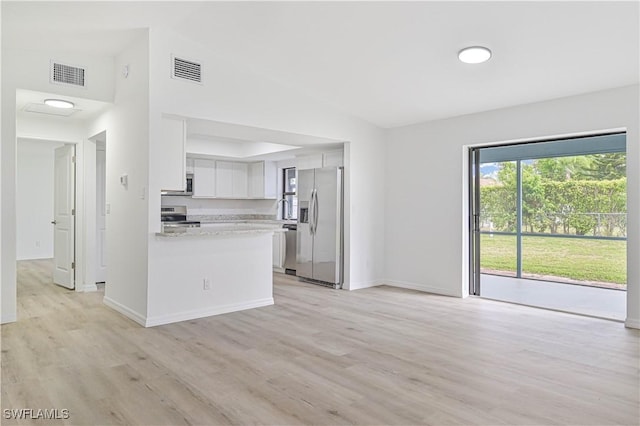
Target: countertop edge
(200, 232)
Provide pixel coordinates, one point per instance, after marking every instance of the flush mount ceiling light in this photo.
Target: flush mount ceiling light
(58, 103)
(474, 55)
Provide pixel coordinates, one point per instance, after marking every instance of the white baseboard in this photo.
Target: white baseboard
(422, 287)
(201, 313)
(632, 323)
(127, 312)
(363, 284)
(6, 319)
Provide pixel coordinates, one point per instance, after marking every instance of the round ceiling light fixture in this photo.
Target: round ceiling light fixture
(474, 55)
(58, 103)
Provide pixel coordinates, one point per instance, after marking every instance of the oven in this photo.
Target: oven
(174, 219)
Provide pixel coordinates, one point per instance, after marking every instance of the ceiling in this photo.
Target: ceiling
(207, 138)
(389, 63)
(32, 102)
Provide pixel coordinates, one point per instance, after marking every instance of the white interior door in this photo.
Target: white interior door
(101, 249)
(63, 221)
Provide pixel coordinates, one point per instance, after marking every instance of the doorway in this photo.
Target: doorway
(548, 224)
(45, 205)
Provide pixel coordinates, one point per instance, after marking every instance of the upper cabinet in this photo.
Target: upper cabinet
(239, 181)
(172, 148)
(231, 179)
(234, 179)
(190, 164)
(313, 161)
(204, 178)
(262, 180)
(224, 179)
(256, 180)
(334, 158)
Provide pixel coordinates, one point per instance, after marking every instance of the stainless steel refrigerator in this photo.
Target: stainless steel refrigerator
(320, 213)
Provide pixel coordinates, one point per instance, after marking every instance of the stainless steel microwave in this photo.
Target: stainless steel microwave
(188, 191)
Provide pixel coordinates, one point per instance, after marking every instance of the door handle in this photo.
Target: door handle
(315, 211)
(476, 223)
(53, 222)
(311, 199)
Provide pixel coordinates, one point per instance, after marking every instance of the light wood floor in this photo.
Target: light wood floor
(318, 356)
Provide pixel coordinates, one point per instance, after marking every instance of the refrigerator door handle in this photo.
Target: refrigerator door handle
(315, 211)
(311, 210)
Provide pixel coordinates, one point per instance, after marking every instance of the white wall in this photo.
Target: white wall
(426, 167)
(34, 199)
(29, 70)
(229, 94)
(41, 126)
(127, 152)
(3, 292)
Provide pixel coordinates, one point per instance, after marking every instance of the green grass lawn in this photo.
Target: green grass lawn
(577, 259)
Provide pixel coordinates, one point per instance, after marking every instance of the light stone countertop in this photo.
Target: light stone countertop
(225, 228)
(205, 221)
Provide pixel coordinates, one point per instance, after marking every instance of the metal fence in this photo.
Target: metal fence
(564, 225)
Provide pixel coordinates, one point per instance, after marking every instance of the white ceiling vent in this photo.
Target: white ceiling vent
(67, 74)
(183, 69)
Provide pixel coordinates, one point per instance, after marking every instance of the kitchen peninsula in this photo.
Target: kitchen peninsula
(215, 269)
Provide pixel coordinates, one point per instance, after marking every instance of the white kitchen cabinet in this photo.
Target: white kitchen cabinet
(239, 187)
(333, 158)
(313, 161)
(171, 147)
(256, 179)
(231, 179)
(270, 180)
(189, 165)
(262, 179)
(278, 251)
(204, 178)
(224, 179)
(238, 180)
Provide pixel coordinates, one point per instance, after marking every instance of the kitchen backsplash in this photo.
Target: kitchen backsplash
(266, 209)
(229, 217)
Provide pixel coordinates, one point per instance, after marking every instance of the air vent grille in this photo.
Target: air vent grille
(187, 70)
(67, 74)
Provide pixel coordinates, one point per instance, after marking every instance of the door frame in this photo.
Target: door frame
(467, 206)
(473, 171)
(100, 191)
(85, 204)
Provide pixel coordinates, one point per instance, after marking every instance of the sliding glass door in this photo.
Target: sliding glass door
(550, 211)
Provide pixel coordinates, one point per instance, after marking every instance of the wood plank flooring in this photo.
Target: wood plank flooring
(318, 356)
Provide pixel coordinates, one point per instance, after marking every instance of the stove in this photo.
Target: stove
(174, 219)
